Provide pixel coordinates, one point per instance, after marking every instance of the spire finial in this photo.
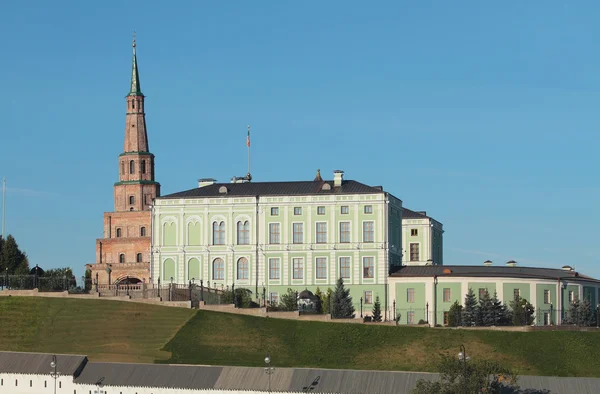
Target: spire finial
(318, 177)
(135, 77)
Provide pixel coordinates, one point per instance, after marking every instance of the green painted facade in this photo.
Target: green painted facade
(443, 304)
(508, 290)
(410, 302)
(476, 286)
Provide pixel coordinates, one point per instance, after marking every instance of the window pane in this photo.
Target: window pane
(344, 232)
(298, 233)
(344, 210)
(320, 210)
(410, 295)
(321, 264)
(297, 211)
(298, 268)
(368, 267)
(345, 267)
(321, 233)
(414, 252)
(242, 268)
(368, 232)
(368, 297)
(274, 269)
(274, 211)
(446, 295)
(274, 234)
(218, 269)
(368, 209)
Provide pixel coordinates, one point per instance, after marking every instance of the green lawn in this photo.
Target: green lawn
(103, 330)
(226, 339)
(133, 332)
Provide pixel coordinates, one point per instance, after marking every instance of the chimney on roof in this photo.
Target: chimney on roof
(206, 182)
(487, 263)
(338, 177)
(567, 268)
(511, 263)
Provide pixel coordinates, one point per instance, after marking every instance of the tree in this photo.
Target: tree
(580, 313)
(326, 300)
(522, 312)
(58, 279)
(501, 313)
(341, 303)
(469, 377)
(12, 257)
(469, 311)
(485, 310)
(87, 279)
(377, 310)
(455, 315)
(289, 301)
(319, 301)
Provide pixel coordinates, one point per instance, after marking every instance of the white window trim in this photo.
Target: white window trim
(316, 278)
(269, 234)
(326, 233)
(303, 233)
(362, 228)
(339, 231)
(347, 280)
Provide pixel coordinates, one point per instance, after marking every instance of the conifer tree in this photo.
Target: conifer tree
(501, 313)
(377, 310)
(319, 301)
(485, 310)
(522, 312)
(469, 311)
(455, 315)
(341, 303)
(12, 257)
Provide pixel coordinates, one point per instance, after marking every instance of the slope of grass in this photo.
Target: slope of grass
(226, 339)
(103, 330)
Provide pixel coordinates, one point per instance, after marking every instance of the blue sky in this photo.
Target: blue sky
(484, 115)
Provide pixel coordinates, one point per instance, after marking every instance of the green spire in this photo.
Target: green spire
(135, 77)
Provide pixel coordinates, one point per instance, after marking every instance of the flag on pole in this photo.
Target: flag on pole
(248, 138)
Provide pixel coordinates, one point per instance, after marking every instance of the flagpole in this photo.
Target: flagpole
(3, 208)
(248, 145)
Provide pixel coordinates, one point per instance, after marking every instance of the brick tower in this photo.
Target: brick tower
(123, 255)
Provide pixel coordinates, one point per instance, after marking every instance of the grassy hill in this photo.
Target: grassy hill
(103, 330)
(123, 331)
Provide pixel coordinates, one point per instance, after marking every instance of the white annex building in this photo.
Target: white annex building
(36, 373)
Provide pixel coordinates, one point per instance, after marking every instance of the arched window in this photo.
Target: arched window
(121, 258)
(131, 166)
(143, 232)
(133, 103)
(218, 269)
(138, 258)
(242, 268)
(143, 166)
(122, 167)
(243, 233)
(218, 233)
(118, 233)
(131, 199)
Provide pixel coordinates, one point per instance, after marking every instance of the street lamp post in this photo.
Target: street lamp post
(427, 312)
(268, 369)
(361, 301)
(54, 374)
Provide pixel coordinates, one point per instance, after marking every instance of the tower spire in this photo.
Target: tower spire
(135, 77)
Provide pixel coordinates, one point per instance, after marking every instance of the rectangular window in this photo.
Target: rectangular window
(410, 295)
(516, 294)
(368, 209)
(320, 210)
(546, 296)
(414, 252)
(345, 267)
(274, 269)
(321, 263)
(414, 232)
(274, 299)
(368, 297)
(482, 293)
(368, 267)
(447, 294)
(571, 298)
(297, 211)
(298, 233)
(321, 233)
(410, 317)
(446, 314)
(274, 233)
(344, 210)
(368, 232)
(546, 319)
(344, 232)
(275, 211)
(297, 268)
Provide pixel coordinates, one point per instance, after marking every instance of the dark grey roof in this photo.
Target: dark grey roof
(248, 378)
(409, 214)
(295, 380)
(276, 189)
(488, 271)
(39, 363)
